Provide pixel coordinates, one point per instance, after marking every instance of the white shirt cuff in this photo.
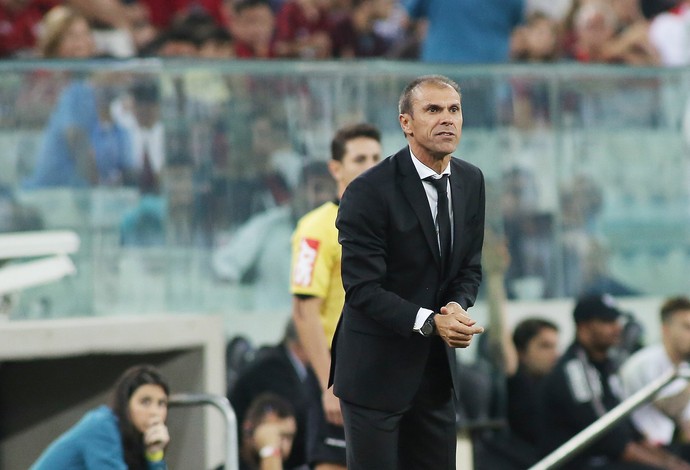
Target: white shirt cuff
(422, 315)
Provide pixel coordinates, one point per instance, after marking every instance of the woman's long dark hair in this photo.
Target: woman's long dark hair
(126, 385)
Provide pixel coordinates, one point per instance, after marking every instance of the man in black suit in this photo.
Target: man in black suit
(409, 277)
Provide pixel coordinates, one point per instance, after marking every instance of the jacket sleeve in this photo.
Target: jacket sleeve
(362, 224)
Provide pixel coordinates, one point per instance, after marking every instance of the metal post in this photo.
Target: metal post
(222, 404)
(579, 441)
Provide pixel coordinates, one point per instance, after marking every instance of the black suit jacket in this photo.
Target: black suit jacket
(391, 267)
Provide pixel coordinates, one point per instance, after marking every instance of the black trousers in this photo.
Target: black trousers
(421, 437)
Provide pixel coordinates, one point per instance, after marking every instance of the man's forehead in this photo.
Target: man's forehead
(432, 93)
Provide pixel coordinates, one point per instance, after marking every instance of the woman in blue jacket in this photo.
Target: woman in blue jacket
(129, 435)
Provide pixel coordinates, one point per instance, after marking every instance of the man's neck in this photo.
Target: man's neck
(671, 353)
(438, 163)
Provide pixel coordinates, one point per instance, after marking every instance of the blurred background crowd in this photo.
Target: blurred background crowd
(647, 32)
(185, 178)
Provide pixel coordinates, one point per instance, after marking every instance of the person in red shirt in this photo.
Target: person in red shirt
(353, 35)
(303, 29)
(253, 28)
(162, 13)
(19, 20)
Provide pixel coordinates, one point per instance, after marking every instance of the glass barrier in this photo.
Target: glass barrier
(184, 180)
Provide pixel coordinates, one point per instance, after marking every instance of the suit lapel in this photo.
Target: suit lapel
(413, 189)
(457, 197)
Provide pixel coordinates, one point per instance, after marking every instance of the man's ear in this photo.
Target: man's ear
(405, 119)
(334, 168)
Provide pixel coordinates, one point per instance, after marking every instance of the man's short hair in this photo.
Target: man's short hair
(346, 134)
(247, 4)
(145, 91)
(673, 305)
(405, 102)
(265, 404)
(528, 329)
(596, 307)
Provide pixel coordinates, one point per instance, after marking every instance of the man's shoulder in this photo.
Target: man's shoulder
(555, 377)
(319, 222)
(325, 211)
(388, 164)
(465, 167)
(384, 172)
(650, 358)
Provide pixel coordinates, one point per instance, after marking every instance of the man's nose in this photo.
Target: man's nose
(446, 117)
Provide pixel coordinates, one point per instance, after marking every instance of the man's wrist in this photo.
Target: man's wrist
(429, 326)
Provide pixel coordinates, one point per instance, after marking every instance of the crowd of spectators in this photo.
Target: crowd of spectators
(635, 32)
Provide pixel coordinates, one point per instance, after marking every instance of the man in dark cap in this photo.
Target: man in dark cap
(583, 386)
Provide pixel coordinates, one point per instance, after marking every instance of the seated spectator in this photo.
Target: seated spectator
(82, 145)
(140, 115)
(303, 29)
(581, 389)
(669, 34)
(529, 235)
(164, 13)
(467, 31)
(282, 370)
(253, 27)
(666, 420)
(216, 43)
(19, 24)
(354, 34)
(528, 356)
(536, 343)
(65, 34)
(537, 40)
(180, 40)
(597, 37)
(269, 430)
(129, 434)
(258, 253)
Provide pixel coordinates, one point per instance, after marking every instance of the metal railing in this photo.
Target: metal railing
(579, 441)
(223, 405)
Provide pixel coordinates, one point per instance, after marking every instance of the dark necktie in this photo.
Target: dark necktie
(148, 183)
(442, 218)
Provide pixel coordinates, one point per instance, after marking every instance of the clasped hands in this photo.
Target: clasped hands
(156, 437)
(455, 327)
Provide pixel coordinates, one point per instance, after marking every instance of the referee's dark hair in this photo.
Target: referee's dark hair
(527, 329)
(345, 134)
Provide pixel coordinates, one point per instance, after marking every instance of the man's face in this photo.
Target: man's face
(435, 124)
(361, 153)
(603, 334)
(676, 332)
(255, 25)
(146, 113)
(286, 428)
(541, 352)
